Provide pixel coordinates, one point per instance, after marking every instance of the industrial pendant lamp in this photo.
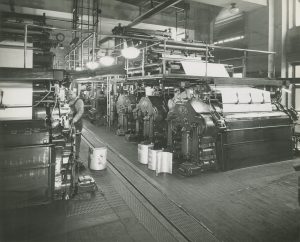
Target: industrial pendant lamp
(130, 52)
(92, 65)
(107, 60)
(234, 9)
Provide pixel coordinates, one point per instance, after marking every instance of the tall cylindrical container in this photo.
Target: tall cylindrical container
(143, 151)
(97, 158)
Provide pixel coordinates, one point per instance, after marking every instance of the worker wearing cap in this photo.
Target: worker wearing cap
(77, 109)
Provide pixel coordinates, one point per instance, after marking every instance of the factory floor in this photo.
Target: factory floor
(107, 216)
(133, 204)
(251, 204)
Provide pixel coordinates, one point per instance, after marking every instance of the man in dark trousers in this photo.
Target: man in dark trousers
(77, 109)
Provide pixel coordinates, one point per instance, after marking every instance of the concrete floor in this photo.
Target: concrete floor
(105, 217)
(132, 204)
(252, 204)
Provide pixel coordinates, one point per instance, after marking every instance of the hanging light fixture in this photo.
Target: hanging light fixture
(107, 60)
(234, 9)
(92, 65)
(130, 52)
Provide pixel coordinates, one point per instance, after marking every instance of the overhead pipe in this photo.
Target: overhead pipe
(180, 47)
(81, 42)
(160, 7)
(184, 45)
(153, 11)
(50, 27)
(216, 47)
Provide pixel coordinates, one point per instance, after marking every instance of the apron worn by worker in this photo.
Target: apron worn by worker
(78, 125)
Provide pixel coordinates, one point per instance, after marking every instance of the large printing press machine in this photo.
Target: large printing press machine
(142, 117)
(229, 127)
(37, 140)
(212, 126)
(200, 113)
(207, 125)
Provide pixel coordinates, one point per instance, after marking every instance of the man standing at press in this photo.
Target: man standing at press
(77, 110)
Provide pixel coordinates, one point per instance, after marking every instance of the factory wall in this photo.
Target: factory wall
(256, 37)
(256, 32)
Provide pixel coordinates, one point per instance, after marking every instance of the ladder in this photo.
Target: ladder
(85, 24)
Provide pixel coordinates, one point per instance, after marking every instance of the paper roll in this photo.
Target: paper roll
(143, 151)
(164, 162)
(152, 159)
(17, 96)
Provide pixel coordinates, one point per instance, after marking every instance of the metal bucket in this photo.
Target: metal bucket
(97, 158)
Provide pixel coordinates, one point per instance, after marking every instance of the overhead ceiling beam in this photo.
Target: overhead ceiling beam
(223, 3)
(160, 7)
(148, 14)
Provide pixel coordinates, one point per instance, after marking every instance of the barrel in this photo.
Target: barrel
(97, 158)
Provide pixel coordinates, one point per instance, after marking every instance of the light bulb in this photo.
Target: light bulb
(107, 60)
(234, 9)
(92, 65)
(130, 52)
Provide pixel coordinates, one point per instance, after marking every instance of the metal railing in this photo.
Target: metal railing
(72, 57)
(78, 56)
(202, 47)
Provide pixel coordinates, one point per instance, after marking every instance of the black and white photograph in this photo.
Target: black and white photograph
(149, 120)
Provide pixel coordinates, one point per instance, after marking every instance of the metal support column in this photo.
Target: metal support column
(271, 37)
(25, 45)
(81, 56)
(284, 29)
(206, 59)
(245, 64)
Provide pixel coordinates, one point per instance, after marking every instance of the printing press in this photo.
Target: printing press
(124, 105)
(150, 114)
(37, 144)
(228, 127)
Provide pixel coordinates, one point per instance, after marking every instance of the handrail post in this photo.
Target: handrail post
(206, 59)
(74, 62)
(244, 63)
(81, 56)
(93, 48)
(25, 45)
(69, 61)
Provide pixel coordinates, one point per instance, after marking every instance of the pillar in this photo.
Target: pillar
(202, 18)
